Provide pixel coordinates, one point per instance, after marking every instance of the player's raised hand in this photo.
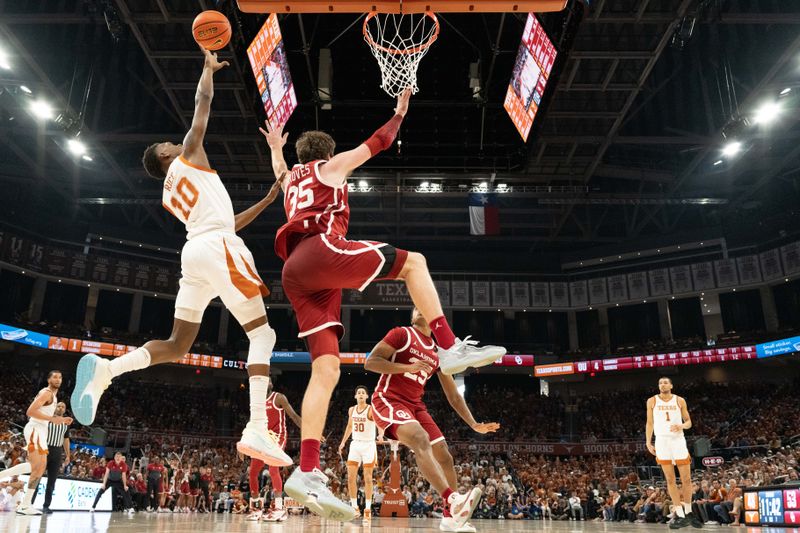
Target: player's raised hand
(486, 427)
(418, 366)
(402, 102)
(212, 62)
(274, 136)
(273, 191)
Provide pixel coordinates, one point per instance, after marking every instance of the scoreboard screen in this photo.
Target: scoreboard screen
(529, 79)
(772, 506)
(268, 60)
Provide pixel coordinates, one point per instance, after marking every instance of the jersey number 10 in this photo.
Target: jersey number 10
(188, 197)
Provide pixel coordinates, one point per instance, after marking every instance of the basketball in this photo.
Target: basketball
(211, 30)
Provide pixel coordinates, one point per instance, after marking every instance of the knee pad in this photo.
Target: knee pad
(262, 341)
(249, 310)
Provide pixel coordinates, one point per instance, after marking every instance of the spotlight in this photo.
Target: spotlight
(76, 147)
(41, 109)
(786, 91)
(25, 89)
(767, 113)
(436, 187)
(483, 185)
(717, 162)
(732, 148)
(87, 158)
(424, 184)
(4, 63)
(363, 184)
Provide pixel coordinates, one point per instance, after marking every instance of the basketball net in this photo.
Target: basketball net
(399, 42)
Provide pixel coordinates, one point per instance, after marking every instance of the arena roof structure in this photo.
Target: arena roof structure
(632, 146)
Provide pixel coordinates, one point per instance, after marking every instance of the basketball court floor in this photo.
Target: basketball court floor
(80, 522)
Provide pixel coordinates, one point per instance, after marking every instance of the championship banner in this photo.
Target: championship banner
(500, 296)
(726, 272)
(443, 289)
(540, 291)
(550, 448)
(559, 294)
(617, 288)
(637, 285)
(100, 267)
(771, 264)
(703, 276)
(276, 294)
(56, 261)
(598, 292)
(659, 282)
(460, 293)
(480, 293)
(749, 269)
(142, 277)
(680, 278)
(578, 293)
(121, 273)
(78, 265)
(162, 280)
(791, 258)
(520, 294)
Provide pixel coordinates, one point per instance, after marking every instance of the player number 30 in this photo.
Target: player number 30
(299, 197)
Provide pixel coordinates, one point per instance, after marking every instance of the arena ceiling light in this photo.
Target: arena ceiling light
(5, 63)
(767, 113)
(786, 91)
(25, 89)
(76, 147)
(732, 148)
(41, 109)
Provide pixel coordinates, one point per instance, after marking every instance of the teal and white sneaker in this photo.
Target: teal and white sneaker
(92, 379)
(311, 490)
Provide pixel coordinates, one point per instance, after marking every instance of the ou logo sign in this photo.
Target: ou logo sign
(402, 414)
(518, 360)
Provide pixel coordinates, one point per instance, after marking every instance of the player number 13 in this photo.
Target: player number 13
(299, 197)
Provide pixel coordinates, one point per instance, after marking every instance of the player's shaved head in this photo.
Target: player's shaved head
(314, 145)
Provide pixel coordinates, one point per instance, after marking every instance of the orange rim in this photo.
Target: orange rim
(397, 51)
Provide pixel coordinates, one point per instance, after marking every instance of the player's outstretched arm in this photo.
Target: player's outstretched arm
(276, 140)
(248, 215)
(342, 165)
(460, 406)
(379, 362)
(193, 142)
(284, 404)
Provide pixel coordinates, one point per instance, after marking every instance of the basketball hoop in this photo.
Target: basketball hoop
(399, 42)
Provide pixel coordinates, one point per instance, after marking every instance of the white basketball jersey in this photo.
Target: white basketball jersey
(197, 197)
(665, 414)
(48, 410)
(363, 427)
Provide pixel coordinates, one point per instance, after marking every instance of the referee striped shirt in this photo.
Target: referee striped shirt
(56, 434)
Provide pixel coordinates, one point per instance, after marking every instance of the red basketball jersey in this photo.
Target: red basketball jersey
(312, 207)
(411, 346)
(276, 417)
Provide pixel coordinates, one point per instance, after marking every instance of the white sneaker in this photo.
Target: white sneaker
(131, 511)
(310, 489)
(261, 444)
(92, 379)
(276, 515)
(29, 510)
(467, 528)
(467, 353)
(449, 523)
(463, 505)
(91, 509)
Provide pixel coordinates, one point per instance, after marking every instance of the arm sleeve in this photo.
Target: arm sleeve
(384, 136)
(396, 338)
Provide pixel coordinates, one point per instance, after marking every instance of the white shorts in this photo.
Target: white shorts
(35, 438)
(672, 450)
(363, 452)
(217, 264)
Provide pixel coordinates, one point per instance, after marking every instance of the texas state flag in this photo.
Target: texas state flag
(483, 217)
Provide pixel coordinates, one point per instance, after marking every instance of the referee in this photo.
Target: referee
(57, 455)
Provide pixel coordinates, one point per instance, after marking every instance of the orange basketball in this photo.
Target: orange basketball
(211, 30)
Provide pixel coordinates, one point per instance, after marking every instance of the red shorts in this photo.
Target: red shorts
(315, 273)
(392, 412)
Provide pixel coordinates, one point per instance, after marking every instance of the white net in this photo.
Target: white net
(399, 42)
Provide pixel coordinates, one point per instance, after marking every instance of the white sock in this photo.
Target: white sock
(279, 503)
(687, 508)
(679, 511)
(258, 399)
(135, 360)
(20, 469)
(353, 503)
(26, 500)
(368, 504)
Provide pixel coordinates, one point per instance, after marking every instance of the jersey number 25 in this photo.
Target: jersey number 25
(299, 197)
(421, 377)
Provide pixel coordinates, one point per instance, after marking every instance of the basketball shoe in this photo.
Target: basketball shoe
(467, 353)
(311, 490)
(463, 505)
(92, 379)
(29, 510)
(449, 523)
(275, 515)
(367, 514)
(261, 443)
